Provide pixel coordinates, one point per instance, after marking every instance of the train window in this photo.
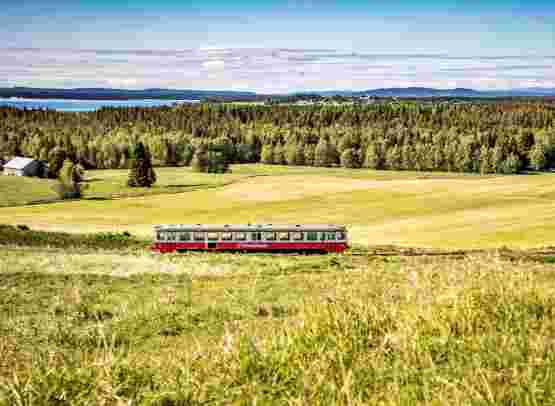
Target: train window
(312, 236)
(283, 236)
(227, 236)
(297, 236)
(172, 236)
(256, 236)
(161, 236)
(328, 236)
(198, 236)
(340, 235)
(212, 236)
(240, 236)
(269, 236)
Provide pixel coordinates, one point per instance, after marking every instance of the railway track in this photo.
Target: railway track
(357, 252)
(393, 251)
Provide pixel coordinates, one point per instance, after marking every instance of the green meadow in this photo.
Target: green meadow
(439, 210)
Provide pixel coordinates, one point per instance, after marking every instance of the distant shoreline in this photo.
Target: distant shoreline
(59, 99)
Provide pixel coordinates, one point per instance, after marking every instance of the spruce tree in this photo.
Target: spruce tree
(373, 159)
(210, 158)
(69, 186)
(267, 154)
(538, 156)
(323, 153)
(349, 158)
(393, 158)
(290, 153)
(486, 160)
(279, 155)
(141, 174)
(309, 154)
(200, 159)
(56, 160)
(512, 164)
(299, 154)
(218, 161)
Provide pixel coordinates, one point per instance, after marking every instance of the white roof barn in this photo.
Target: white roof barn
(20, 166)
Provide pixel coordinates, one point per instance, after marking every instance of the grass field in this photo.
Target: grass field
(107, 184)
(404, 208)
(109, 327)
(97, 319)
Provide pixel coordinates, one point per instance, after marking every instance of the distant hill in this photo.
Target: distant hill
(415, 92)
(190, 94)
(119, 94)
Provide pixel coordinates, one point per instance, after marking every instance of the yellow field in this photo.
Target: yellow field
(411, 209)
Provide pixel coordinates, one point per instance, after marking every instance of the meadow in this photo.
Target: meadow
(95, 318)
(439, 210)
(125, 327)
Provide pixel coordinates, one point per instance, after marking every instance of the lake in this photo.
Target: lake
(85, 105)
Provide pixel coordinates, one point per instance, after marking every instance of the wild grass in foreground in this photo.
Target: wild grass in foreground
(106, 328)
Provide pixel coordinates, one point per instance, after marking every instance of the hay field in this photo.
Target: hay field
(403, 208)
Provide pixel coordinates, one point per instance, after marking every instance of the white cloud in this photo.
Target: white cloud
(267, 70)
(218, 64)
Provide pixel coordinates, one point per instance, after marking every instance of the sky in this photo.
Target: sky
(277, 46)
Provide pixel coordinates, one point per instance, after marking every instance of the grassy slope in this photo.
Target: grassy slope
(105, 184)
(221, 329)
(414, 209)
(17, 190)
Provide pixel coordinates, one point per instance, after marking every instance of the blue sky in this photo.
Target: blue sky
(278, 45)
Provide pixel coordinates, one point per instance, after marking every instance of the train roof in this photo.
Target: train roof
(248, 227)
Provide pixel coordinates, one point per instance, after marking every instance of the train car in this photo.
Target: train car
(250, 237)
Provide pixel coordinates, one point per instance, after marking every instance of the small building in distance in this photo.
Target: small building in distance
(20, 166)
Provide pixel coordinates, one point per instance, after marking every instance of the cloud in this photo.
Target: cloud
(266, 69)
(214, 64)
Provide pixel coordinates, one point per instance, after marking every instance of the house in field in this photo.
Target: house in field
(20, 166)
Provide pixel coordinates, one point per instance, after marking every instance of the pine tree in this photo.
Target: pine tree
(512, 164)
(210, 158)
(309, 151)
(69, 186)
(218, 161)
(538, 156)
(349, 158)
(323, 153)
(279, 155)
(141, 174)
(200, 159)
(393, 158)
(56, 160)
(373, 158)
(299, 155)
(267, 154)
(486, 160)
(290, 153)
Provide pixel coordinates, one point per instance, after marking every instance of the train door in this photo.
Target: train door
(212, 240)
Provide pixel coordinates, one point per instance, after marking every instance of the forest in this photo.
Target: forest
(507, 137)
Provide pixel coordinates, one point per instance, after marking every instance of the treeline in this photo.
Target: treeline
(485, 138)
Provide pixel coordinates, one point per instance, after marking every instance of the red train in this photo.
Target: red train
(251, 237)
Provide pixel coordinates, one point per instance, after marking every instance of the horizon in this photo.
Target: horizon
(279, 46)
(316, 92)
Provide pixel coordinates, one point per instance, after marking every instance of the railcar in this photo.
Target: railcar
(250, 237)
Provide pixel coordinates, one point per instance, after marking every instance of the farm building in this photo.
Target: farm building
(20, 166)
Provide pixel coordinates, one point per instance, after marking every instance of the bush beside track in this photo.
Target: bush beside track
(22, 235)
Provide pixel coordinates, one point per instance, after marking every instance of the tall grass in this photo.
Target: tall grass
(231, 329)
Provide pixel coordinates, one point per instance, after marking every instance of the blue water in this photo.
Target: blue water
(85, 105)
